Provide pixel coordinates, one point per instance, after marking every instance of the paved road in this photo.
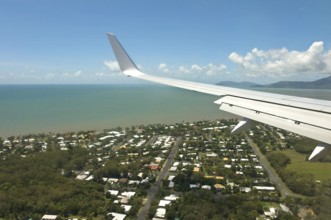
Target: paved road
(155, 187)
(284, 191)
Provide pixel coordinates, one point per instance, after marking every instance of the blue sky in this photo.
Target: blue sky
(45, 41)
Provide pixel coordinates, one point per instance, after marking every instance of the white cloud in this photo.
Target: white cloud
(215, 69)
(183, 69)
(196, 68)
(77, 73)
(27, 74)
(236, 58)
(112, 65)
(194, 71)
(209, 69)
(283, 62)
(164, 68)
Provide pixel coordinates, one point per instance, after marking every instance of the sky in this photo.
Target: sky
(64, 41)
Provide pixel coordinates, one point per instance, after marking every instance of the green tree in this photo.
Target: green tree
(278, 160)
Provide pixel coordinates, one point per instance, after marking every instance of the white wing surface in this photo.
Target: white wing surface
(304, 116)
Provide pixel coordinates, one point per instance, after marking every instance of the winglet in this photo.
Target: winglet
(126, 64)
(242, 125)
(320, 151)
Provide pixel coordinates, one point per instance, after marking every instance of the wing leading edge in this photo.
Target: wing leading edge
(304, 116)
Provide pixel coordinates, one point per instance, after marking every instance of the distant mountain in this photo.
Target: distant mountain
(324, 83)
(238, 84)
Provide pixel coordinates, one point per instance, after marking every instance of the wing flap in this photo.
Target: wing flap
(307, 130)
(297, 115)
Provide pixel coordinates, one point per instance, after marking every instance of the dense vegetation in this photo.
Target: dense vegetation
(304, 184)
(299, 183)
(31, 186)
(205, 205)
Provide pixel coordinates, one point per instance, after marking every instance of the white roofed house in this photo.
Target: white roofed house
(211, 155)
(7, 143)
(125, 197)
(271, 212)
(112, 180)
(264, 188)
(128, 194)
(173, 169)
(164, 203)
(160, 213)
(134, 182)
(49, 217)
(113, 192)
(176, 164)
(117, 216)
(206, 187)
(228, 166)
(126, 208)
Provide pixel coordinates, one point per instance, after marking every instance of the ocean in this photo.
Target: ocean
(28, 109)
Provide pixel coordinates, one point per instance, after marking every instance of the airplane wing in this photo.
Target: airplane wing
(303, 116)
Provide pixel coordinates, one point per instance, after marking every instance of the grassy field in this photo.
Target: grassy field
(321, 171)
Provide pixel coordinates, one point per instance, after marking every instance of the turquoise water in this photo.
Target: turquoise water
(27, 109)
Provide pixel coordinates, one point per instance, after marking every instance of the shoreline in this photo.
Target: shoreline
(74, 129)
